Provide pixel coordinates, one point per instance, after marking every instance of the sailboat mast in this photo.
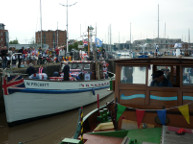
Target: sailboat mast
(130, 38)
(66, 26)
(41, 20)
(189, 36)
(57, 34)
(88, 43)
(158, 23)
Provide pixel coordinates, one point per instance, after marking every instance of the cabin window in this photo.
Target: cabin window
(76, 66)
(133, 75)
(86, 66)
(187, 76)
(163, 76)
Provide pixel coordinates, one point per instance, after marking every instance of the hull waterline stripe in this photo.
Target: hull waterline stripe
(28, 90)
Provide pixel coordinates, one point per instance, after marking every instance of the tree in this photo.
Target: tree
(14, 42)
(74, 45)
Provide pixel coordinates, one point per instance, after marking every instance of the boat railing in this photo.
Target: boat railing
(11, 66)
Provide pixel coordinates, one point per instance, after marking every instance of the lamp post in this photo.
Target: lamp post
(67, 21)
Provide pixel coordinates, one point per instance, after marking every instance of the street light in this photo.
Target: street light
(67, 21)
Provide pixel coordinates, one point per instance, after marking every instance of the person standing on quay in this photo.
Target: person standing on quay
(4, 52)
(66, 71)
(61, 54)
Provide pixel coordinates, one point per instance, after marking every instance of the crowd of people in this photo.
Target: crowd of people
(24, 56)
(31, 58)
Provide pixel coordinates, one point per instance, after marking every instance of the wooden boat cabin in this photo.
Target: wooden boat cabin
(152, 84)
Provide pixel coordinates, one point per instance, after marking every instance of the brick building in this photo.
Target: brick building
(4, 36)
(52, 38)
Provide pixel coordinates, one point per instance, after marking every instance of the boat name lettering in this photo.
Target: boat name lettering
(37, 84)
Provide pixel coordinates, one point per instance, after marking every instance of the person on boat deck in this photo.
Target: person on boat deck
(41, 69)
(41, 73)
(160, 80)
(66, 71)
(30, 71)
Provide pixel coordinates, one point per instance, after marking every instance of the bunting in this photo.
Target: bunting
(162, 116)
(139, 114)
(120, 110)
(185, 112)
(184, 109)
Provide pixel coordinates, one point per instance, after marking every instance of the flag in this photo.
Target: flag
(98, 42)
(12, 82)
(140, 114)
(162, 116)
(85, 42)
(185, 112)
(120, 110)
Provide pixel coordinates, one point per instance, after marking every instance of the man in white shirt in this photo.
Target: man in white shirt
(61, 54)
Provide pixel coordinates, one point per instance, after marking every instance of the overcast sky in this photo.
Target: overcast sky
(22, 18)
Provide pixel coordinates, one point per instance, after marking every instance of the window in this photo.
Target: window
(133, 75)
(188, 76)
(76, 66)
(162, 76)
(87, 66)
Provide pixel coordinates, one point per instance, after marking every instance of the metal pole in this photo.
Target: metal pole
(41, 21)
(66, 26)
(158, 23)
(57, 34)
(88, 43)
(130, 39)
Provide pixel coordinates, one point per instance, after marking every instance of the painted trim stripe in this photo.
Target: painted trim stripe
(163, 98)
(188, 98)
(28, 90)
(123, 97)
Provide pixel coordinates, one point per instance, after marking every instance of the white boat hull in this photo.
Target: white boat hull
(37, 101)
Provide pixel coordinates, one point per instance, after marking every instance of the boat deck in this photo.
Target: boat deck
(98, 139)
(169, 136)
(166, 135)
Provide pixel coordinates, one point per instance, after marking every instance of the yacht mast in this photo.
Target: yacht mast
(158, 23)
(41, 20)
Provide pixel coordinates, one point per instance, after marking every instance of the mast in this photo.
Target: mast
(158, 23)
(165, 30)
(57, 34)
(88, 43)
(66, 26)
(189, 35)
(130, 37)
(41, 20)
(110, 39)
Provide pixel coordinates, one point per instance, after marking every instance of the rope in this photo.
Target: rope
(81, 119)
